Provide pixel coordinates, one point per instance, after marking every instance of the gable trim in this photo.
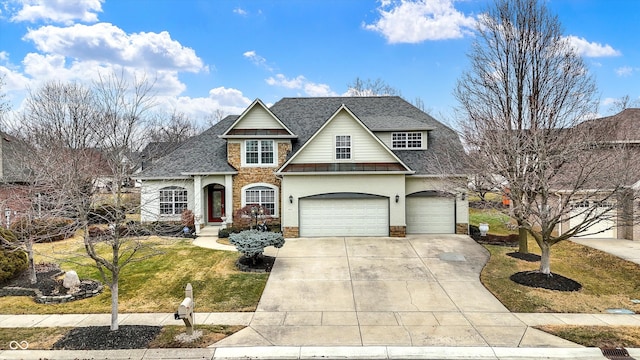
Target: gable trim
(281, 171)
(256, 102)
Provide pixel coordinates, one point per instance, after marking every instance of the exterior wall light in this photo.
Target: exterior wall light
(463, 196)
(291, 199)
(397, 197)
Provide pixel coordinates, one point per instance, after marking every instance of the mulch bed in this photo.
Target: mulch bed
(102, 338)
(551, 282)
(526, 257)
(263, 263)
(46, 282)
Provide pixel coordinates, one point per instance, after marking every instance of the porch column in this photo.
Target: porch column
(197, 202)
(228, 198)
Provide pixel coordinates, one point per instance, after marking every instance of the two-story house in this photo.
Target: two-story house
(335, 166)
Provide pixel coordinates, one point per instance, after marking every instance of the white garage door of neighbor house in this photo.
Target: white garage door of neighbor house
(344, 217)
(603, 229)
(431, 215)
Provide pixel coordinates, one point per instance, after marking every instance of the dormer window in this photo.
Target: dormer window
(406, 140)
(343, 147)
(259, 152)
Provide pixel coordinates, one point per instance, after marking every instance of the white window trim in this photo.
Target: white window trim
(406, 140)
(335, 148)
(276, 196)
(244, 153)
(174, 189)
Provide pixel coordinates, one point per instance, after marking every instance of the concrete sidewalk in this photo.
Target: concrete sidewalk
(624, 249)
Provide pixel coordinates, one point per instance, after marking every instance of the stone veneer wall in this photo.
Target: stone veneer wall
(397, 231)
(291, 232)
(462, 228)
(252, 175)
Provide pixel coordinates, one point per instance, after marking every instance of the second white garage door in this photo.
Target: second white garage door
(603, 229)
(344, 217)
(431, 215)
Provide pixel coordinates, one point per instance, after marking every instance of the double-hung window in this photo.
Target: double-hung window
(406, 140)
(173, 200)
(343, 147)
(259, 152)
(261, 196)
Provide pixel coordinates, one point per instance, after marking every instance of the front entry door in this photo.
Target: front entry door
(215, 203)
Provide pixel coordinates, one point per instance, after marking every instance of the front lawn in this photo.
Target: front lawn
(156, 284)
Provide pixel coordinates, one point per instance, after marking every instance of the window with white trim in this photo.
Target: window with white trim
(406, 140)
(173, 200)
(261, 196)
(259, 152)
(343, 147)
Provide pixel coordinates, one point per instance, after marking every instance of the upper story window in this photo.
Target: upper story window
(259, 152)
(173, 200)
(343, 147)
(406, 140)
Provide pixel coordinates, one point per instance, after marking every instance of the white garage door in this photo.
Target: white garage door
(344, 217)
(431, 215)
(603, 229)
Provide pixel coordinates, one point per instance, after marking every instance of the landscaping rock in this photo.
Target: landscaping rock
(71, 280)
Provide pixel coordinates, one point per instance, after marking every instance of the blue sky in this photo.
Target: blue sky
(219, 55)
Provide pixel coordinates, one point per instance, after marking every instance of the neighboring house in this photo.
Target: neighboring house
(336, 166)
(622, 219)
(14, 178)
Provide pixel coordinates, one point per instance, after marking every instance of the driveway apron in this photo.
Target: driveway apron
(415, 291)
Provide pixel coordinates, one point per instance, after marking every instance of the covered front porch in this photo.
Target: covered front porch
(213, 200)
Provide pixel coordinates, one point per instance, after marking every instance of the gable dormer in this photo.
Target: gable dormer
(344, 144)
(257, 121)
(257, 138)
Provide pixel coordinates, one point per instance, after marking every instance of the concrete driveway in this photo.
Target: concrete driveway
(417, 291)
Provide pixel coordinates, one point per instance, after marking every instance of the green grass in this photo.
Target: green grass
(597, 336)
(155, 284)
(607, 281)
(497, 220)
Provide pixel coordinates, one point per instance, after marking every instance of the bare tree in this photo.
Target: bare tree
(84, 140)
(622, 103)
(370, 87)
(520, 104)
(214, 117)
(173, 128)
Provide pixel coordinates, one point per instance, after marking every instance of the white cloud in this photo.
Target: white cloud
(591, 49)
(313, 89)
(257, 59)
(240, 11)
(60, 11)
(624, 71)
(415, 21)
(281, 80)
(301, 83)
(228, 100)
(107, 43)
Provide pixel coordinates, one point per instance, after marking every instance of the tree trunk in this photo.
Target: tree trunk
(32, 264)
(523, 244)
(545, 261)
(114, 302)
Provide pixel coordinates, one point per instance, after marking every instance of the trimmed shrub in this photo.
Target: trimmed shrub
(106, 214)
(223, 233)
(12, 263)
(40, 230)
(251, 243)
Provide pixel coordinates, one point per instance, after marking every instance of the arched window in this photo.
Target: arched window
(173, 200)
(262, 195)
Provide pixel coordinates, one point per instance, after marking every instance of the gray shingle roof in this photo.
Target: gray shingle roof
(206, 153)
(202, 154)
